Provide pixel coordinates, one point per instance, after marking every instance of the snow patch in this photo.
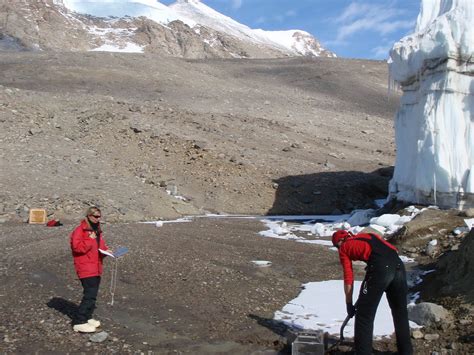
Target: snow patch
(123, 48)
(321, 306)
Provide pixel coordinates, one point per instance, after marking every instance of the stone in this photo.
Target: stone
(428, 314)
(432, 249)
(134, 108)
(140, 125)
(34, 131)
(469, 213)
(445, 326)
(99, 337)
(452, 346)
(417, 334)
(431, 337)
(200, 145)
(329, 165)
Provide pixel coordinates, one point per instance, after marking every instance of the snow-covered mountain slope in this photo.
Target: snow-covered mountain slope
(151, 9)
(294, 41)
(187, 28)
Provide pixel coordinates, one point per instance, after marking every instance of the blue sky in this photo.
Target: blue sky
(351, 29)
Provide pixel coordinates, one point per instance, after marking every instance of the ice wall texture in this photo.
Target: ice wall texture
(434, 126)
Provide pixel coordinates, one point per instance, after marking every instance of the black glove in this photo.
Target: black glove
(351, 310)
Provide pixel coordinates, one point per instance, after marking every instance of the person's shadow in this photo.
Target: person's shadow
(278, 328)
(66, 307)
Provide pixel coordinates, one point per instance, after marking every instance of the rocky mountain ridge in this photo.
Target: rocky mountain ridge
(188, 29)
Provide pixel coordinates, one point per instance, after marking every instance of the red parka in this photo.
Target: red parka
(85, 251)
(353, 248)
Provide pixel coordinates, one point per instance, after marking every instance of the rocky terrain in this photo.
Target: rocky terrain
(191, 288)
(149, 137)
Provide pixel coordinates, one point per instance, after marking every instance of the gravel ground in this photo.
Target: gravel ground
(182, 288)
(189, 287)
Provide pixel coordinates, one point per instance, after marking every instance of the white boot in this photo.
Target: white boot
(84, 328)
(94, 322)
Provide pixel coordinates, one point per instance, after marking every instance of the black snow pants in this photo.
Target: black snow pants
(385, 273)
(87, 306)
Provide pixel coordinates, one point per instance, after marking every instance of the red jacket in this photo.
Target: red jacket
(353, 249)
(85, 251)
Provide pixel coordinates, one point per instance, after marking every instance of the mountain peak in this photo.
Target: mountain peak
(185, 28)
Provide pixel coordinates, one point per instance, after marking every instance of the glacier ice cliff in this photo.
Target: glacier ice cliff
(434, 126)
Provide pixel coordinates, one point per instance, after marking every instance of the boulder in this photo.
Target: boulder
(468, 213)
(428, 314)
(455, 270)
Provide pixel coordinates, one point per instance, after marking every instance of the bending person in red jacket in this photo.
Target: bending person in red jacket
(385, 273)
(86, 240)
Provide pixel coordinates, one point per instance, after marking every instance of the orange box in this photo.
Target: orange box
(37, 216)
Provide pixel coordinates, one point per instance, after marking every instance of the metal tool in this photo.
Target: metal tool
(341, 332)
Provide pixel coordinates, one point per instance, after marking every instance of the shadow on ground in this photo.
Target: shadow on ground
(330, 192)
(278, 328)
(66, 307)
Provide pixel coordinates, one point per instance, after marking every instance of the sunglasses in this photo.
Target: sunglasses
(93, 215)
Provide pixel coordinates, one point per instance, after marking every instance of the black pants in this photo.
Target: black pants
(383, 275)
(87, 306)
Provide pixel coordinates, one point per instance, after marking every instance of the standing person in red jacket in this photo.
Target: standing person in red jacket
(385, 273)
(86, 240)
